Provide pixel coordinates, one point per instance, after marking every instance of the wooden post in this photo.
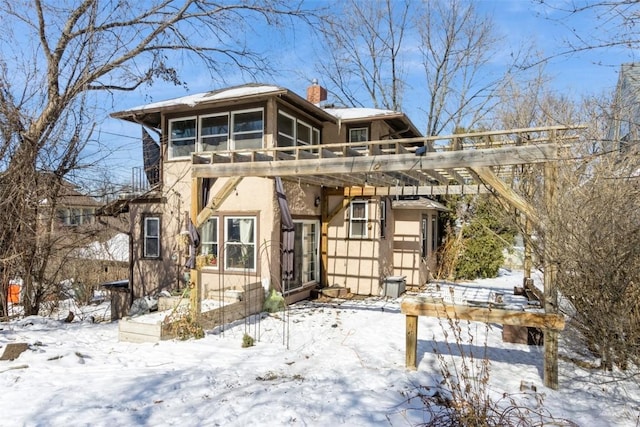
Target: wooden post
(195, 294)
(412, 342)
(324, 238)
(527, 261)
(550, 289)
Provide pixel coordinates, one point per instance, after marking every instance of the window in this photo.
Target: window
(247, 129)
(182, 137)
(63, 216)
(214, 132)
(423, 237)
(359, 135)
(240, 246)
(286, 130)
(151, 237)
(88, 216)
(292, 132)
(434, 233)
(358, 219)
(304, 134)
(383, 218)
(76, 217)
(209, 241)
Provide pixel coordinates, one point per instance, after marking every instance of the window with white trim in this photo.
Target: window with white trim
(75, 216)
(359, 219)
(286, 130)
(182, 137)
(294, 132)
(247, 129)
(240, 243)
(214, 132)
(209, 242)
(359, 135)
(151, 237)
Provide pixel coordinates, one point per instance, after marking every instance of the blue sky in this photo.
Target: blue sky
(519, 22)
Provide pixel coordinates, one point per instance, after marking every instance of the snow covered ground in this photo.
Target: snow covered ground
(325, 364)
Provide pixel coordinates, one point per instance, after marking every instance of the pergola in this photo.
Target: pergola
(469, 163)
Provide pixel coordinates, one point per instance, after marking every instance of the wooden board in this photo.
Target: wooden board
(423, 307)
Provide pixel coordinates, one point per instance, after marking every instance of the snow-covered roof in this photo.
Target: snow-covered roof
(360, 113)
(216, 95)
(114, 249)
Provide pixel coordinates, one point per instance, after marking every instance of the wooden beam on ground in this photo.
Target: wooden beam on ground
(510, 155)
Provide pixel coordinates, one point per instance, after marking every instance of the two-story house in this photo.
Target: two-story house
(295, 232)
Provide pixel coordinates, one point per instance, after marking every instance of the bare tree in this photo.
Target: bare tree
(363, 47)
(613, 25)
(456, 44)
(57, 57)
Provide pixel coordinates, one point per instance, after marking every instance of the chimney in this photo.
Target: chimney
(316, 93)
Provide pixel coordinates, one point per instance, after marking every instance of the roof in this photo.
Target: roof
(150, 114)
(421, 203)
(396, 119)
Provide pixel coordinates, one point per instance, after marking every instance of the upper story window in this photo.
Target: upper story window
(76, 216)
(216, 132)
(359, 219)
(294, 132)
(182, 137)
(359, 135)
(247, 129)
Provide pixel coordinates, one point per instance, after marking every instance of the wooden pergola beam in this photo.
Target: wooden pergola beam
(215, 201)
(508, 193)
(503, 156)
(423, 190)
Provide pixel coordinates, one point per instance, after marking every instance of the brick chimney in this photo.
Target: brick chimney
(316, 93)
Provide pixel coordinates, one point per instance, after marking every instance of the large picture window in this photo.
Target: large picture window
(358, 219)
(234, 130)
(151, 237)
(182, 137)
(240, 243)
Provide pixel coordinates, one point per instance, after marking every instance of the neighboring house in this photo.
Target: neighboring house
(624, 130)
(332, 231)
